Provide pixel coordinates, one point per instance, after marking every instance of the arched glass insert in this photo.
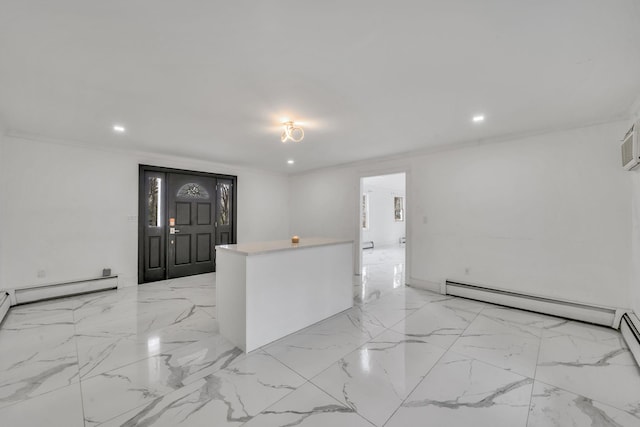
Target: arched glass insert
(193, 191)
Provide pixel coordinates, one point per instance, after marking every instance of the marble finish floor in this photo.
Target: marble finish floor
(382, 271)
(152, 356)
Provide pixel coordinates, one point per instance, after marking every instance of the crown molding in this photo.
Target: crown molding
(166, 159)
(453, 146)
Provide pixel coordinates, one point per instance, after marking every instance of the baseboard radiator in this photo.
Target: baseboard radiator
(5, 303)
(570, 310)
(57, 290)
(630, 328)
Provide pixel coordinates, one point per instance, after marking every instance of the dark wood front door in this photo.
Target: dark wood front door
(191, 225)
(183, 215)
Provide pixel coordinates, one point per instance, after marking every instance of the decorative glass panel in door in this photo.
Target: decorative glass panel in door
(224, 218)
(153, 232)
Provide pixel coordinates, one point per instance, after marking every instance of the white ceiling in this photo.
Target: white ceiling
(211, 79)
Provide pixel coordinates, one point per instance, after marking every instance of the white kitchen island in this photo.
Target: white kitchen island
(267, 290)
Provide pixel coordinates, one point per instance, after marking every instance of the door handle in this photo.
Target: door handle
(173, 230)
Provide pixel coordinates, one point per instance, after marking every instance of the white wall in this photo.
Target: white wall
(547, 215)
(383, 230)
(71, 211)
(635, 252)
(2, 201)
(324, 203)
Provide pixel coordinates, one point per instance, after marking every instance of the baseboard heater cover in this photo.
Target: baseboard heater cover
(57, 290)
(5, 303)
(570, 310)
(630, 329)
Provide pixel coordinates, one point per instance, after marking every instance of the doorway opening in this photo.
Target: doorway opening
(382, 234)
(182, 216)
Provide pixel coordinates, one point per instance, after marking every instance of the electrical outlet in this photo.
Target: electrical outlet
(41, 273)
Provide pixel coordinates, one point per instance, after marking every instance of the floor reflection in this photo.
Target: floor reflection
(383, 269)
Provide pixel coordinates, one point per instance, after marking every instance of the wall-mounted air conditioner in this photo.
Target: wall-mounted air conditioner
(631, 147)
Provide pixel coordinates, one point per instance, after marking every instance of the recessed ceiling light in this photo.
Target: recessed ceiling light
(290, 162)
(119, 128)
(478, 119)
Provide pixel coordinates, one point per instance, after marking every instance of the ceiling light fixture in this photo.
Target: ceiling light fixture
(291, 132)
(119, 128)
(290, 162)
(478, 119)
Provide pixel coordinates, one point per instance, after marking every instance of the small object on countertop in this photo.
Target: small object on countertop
(106, 272)
(295, 239)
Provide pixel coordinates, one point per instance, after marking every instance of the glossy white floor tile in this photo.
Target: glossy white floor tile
(59, 408)
(36, 357)
(507, 345)
(41, 314)
(308, 406)
(554, 407)
(440, 322)
(376, 378)
(153, 356)
(315, 348)
(102, 352)
(599, 334)
(460, 391)
(383, 269)
(591, 369)
(142, 382)
(231, 396)
(525, 318)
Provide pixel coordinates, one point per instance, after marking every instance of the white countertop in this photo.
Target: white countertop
(256, 248)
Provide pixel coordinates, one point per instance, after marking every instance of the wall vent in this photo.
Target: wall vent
(570, 310)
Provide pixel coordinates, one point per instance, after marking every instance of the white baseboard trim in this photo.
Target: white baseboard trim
(630, 329)
(426, 285)
(571, 310)
(5, 304)
(57, 290)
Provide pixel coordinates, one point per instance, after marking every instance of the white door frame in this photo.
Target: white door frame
(408, 249)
